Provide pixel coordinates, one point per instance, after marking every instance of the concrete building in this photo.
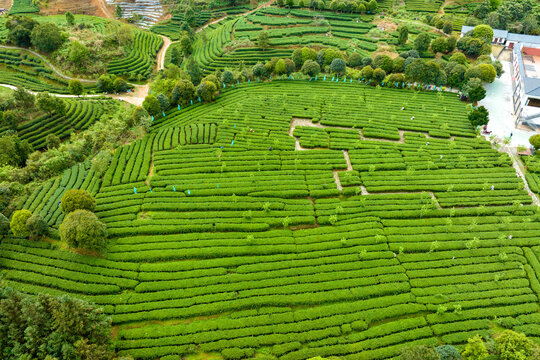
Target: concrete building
(525, 73)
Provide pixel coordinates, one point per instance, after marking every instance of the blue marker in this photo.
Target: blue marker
(249, 81)
(218, 186)
(178, 107)
(173, 188)
(324, 78)
(150, 190)
(134, 190)
(152, 118)
(199, 99)
(189, 192)
(258, 78)
(163, 112)
(224, 85)
(232, 143)
(237, 82)
(332, 78)
(191, 102)
(235, 125)
(344, 79)
(59, 203)
(315, 78)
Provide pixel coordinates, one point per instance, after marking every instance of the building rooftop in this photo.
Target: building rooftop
(496, 32)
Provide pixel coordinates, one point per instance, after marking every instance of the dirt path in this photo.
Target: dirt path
(105, 9)
(6, 4)
(161, 54)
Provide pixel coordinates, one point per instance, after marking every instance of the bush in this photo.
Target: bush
(82, 229)
(4, 225)
(77, 200)
(475, 349)
(37, 227)
(18, 223)
(151, 105)
(311, 68)
(515, 346)
(479, 116)
(535, 141)
(338, 66)
(75, 87)
(448, 352)
(206, 90)
(227, 77)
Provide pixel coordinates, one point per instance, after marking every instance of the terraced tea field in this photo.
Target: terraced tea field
(300, 219)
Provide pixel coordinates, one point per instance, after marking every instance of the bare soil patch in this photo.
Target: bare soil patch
(5, 4)
(89, 7)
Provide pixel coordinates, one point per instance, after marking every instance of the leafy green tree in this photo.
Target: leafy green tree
(4, 225)
(338, 66)
(474, 90)
(263, 40)
(45, 102)
(259, 70)
(297, 58)
(206, 91)
(24, 99)
(308, 54)
(53, 327)
(82, 229)
(18, 223)
(75, 87)
(227, 77)
(194, 71)
(448, 27)
(459, 57)
(403, 36)
(439, 45)
(451, 42)
(366, 73)
(512, 345)
(47, 37)
(105, 83)
(479, 116)
(183, 92)
(416, 71)
(483, 32)
(10, 120)
(535, 141)
(151, 105)
(379, 75)
(186, 45)
(475, 349)
(419, 352)
(138, 116)
(280, 67)
(124, 35)
(422, 42)
(13, 151)
(384, 62)
(52, 141)
(77, 200)
(372, 6)
(398, 65)
(78, 53)
(120, 85)
(37, 227)
(70, 18)
(355, 60)
(164, 102)
(176, 57)
(311, 68)
(20, 36)
(118, 12)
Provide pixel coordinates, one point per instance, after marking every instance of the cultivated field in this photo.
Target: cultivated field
(300, 219)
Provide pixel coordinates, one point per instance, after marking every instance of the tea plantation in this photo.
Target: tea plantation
(299, 219)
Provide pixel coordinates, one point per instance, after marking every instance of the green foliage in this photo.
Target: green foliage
(263, 40)
(419, 352)
(422, 41)
(37, 227)
(82, 229)
(479, 116)
(54, 327)
(483, 32)
(75, 87)
(77, 200)
(18, 223)
(535, 141)
(448, 352)
(4, 225)
(475, 349)
(338, 66)
(206, 91)
(47, 37)
(512, 345)
(311, 68)
(151, 105)
(13, 151)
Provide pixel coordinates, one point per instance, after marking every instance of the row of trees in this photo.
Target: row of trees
(513, 15)
(360, 6)
(24, 31)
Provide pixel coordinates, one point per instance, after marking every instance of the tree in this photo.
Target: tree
(105, 83)
(512, 345)
(262, 40)
(206, 91)
(475, 349)
(422, 41)
(227, 77)
(24, 99)
(82, 229)
(311, 68)
(37, 227)
(448, 27)
(379, 75)
(451, 42)
(151, 105)
(20, 36)
(47, 37)
(77, 200)
(479, 116)
(13, 151)
(53, 327)
(259, 70)
(398, 65)
(52, 141)
(120, 85)
(4, 225)
(124, 35)
(419, 352)
(403, 31)
(176, 58)
(372, 6)
(456, 75)
(366, 73)
(338, 66)
(355, 60)
(186, 45)
(280, 67)
(118, 12)
(535, 141)
(194, 71)
(185, 92)
(483, 32)
(439, 45)
(474, 90)
(290, 67)
(448, 352)
(487, 72)
(45, 102)
(416, 71)
(18, 223)
(460, 58)
(75, 87)
(78, 53)
(70, 18)
(164, 102)
(384, 62)
(10, 120)
(308, 54)
(297, 58)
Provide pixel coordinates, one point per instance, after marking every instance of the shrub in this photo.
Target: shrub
(37, 227)
(206, 90)
(151, 105)
(419, 352)
(311, 68)
(75, 87)
(479, 116)
(448, 352)
(18, 223)
(338, 66)
(4, 225)
(227, 77)
(82, 229)
(535, 141)
(475, 349)
(512, 345)
(77, 200)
